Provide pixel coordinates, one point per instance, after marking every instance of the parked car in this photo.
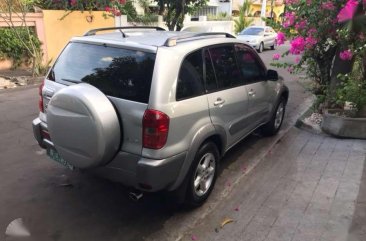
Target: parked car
(156, 110)
(259, 37)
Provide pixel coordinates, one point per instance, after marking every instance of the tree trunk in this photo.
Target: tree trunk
(161, 7)
(339, 67)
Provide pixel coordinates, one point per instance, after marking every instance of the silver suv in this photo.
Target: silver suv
(156, 110)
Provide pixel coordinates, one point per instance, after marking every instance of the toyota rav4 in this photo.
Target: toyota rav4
(153, 109)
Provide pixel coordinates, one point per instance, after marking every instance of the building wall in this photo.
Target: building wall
(58, 32)
(31, 20)
(278, 6)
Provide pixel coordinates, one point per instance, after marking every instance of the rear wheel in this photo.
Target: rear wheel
(202, 175)
(274, 125)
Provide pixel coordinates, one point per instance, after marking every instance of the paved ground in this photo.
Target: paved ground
(306, 189)
(32, 187)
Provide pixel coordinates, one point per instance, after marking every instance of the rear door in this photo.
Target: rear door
(123, 75)
(227, 95)
(259, 90)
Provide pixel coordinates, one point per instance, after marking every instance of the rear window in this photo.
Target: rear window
(117, 72)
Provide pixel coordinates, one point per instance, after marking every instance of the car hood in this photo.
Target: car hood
(249, 37)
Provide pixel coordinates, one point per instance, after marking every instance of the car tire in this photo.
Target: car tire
(261, 47)
(274, 125)
(273, 47)
(202, 175)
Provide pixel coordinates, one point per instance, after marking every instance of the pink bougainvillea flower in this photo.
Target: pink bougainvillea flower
(297, 45)
(116, 12)
(107, 9)
(276, 56)
(289, 19)
(310, 42)
(122, 1)
(73, 2)
(290, 70)
(301, 25)
(297, 59)
(328, 6)
(347, 11)
(281, 38)
(194, 237)
(346, 55)
(312, 31)
(309, 2)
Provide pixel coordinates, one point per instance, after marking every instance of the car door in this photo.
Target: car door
(227, 95)
(267, 37)
(273, 37)
(259, 90)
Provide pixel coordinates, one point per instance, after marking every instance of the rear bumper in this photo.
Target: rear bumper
(129, 169)
(38, 126)
(142, 173)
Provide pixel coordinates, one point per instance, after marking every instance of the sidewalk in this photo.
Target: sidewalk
(309, 187)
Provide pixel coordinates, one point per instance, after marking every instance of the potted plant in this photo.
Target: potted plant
(349, 121)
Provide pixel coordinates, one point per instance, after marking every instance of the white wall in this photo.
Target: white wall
(210, 26)
(224, 7)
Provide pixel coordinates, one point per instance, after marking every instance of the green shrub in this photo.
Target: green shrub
(12, 48)
(353, 87)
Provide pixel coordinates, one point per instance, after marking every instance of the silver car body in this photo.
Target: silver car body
(267, 36)
(225, 116)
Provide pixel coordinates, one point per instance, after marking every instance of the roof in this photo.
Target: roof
(147, 38)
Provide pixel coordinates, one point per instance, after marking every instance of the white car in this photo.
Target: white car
(259, 37)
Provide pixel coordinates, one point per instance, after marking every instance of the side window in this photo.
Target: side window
(249, 64)
(211, 83)
(226, 69)
(190, 79)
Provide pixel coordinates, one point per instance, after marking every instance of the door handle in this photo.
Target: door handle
(251, 93)
(219, 101)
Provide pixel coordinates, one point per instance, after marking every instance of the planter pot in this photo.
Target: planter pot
(344, 127)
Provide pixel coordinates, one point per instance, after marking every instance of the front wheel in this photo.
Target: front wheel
(273, 47)
(261, 47)
(202, 176)
(274, 125)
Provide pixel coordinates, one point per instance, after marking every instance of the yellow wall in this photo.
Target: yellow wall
(276, 9)
(59, 32)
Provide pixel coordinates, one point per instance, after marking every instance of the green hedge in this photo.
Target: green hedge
(12, 48)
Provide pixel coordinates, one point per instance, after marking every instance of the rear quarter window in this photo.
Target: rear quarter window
(117, 72)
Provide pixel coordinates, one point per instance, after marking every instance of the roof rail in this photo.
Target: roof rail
(94, 31)
(172, 41)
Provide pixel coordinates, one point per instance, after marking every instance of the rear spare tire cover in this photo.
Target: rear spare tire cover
(83, 126)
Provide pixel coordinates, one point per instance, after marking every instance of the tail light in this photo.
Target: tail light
(40, 101)
(155, 129)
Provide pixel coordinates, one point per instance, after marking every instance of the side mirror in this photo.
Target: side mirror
(272, 75)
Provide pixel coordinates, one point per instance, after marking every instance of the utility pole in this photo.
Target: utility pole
(272, 10)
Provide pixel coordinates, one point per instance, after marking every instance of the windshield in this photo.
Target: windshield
(252, 31)
(116, 72)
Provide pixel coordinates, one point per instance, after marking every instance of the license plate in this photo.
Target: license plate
(53, 154)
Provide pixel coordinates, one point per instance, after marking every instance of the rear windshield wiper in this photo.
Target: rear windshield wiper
(71, 80)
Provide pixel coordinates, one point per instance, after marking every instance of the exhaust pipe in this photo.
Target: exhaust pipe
(135, 195)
